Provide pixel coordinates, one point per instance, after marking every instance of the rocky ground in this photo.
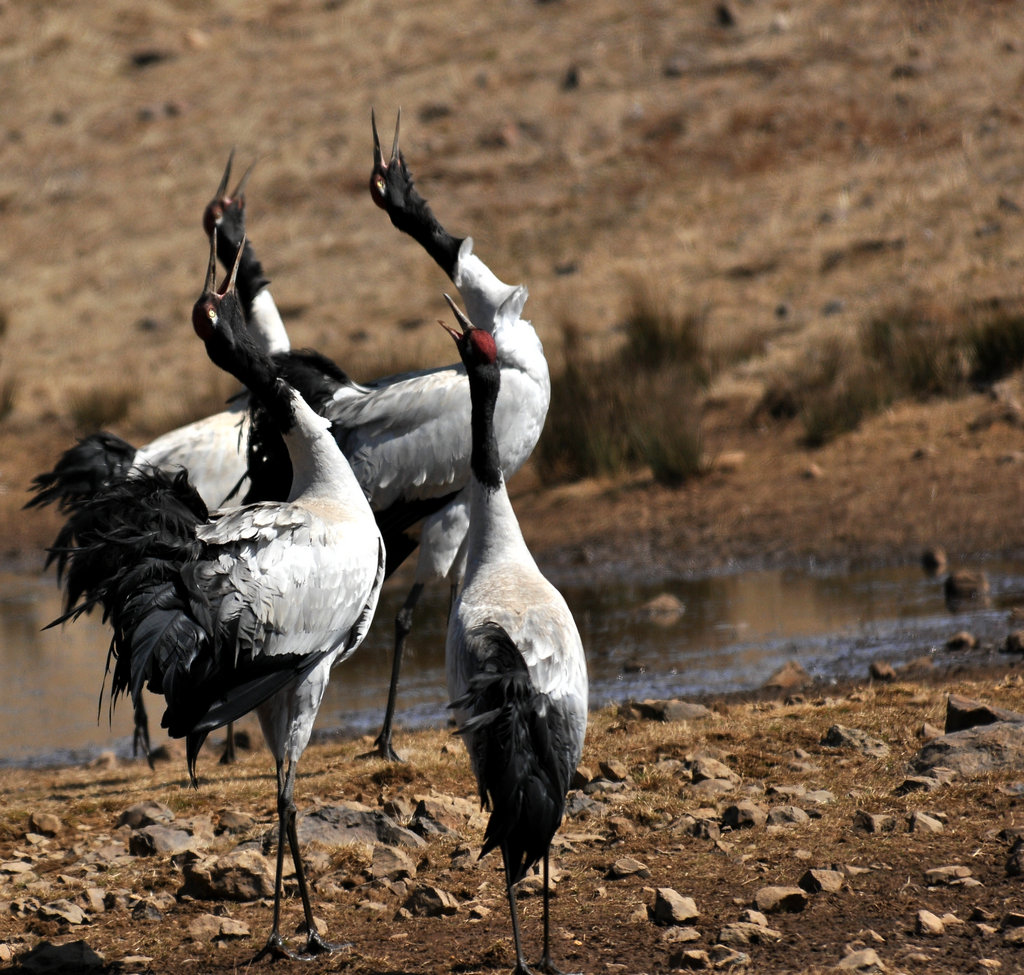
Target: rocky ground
(795, 831)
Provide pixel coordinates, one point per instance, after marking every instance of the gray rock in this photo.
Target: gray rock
(614, 770)
(235, 821)
(145, 813)
(627, 867)
(775, 900)
(724, 957)
(343, 824)
(45, 824)
(964, 586)
(653, 710)
(741, 934)
(744, 815)
(974, 751)
(839, 736)
(242, 875)
(923, 823)
(210, 927)
(705, 767)
(48, 959)
(427, 901)
(929, 924)
(864, 962)
(671, 907)
(157, 838)
(963, 713)
(392, 863)
(62, 910)
(822, 881)
(948, 875)
(690, 959)
(789, 677)
(787, 816)
(874, 822)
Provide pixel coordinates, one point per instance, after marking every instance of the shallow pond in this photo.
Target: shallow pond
(736, 630)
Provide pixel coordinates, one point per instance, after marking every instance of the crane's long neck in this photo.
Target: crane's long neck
(417, 220)
(494, 530)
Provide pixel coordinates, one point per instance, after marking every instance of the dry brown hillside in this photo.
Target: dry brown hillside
(792, 172)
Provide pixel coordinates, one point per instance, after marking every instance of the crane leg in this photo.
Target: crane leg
(403, 627)
(230, 756)
(275, 948)
(521, 967)
(140, 736)
(546, 965)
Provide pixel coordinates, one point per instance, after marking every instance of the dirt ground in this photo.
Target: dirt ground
(827, 160)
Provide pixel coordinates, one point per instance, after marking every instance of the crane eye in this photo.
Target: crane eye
(204, 319)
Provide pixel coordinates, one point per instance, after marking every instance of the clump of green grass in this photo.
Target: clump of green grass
(640, 406)
(907, 352)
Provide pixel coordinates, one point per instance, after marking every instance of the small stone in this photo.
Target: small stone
(63, 910)
(947, 875)
(839, 736)
(156, 838)
(145, 813)
(664, 610)
(710, 768)
(822, 881)
(671, 907)
(923, 823)
(392, 863)
(692, 959)
(789, 677)
(928, 924)
(934, 560)
(874, 822)
(744, 815)
(741, 934)
(774, 900)
(614, 770)
(864, 962)
(427, 901)
(964, 586)
(627, 867)
(46, 824)
(882, 670)
(962, 641)
(787, 816)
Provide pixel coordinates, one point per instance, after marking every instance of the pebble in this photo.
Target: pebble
(627, 867)
(744, 815)
(839, 736)
(822, 881)
(864, 962)
(923, 823)
(929, 924)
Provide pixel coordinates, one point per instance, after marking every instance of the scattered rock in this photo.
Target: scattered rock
(157, 838)
(670, 710)
(775, 900)
(962, 641)
(145, 813)
(664, 610)
(923, 823)
(882, 671)
(210, 927)
(744, 815)
(671, 907)
(948, 875)
(235, 821)
(46, 824)
(965, 586)
(934, 560)
(741, 934)
(928, 924)
(789, 677)
(787, 816)
(1014, 642)
(76, 957)
(242, 875)
(347, 823)
(974, 751)
(692, 959)
(704, 767)
(839, 736)
(963, 713)
(864, 962)
(874, 822)
(614, 771)
(392, 863)
(62, 910)
(627, 867)
(428, 901)
(822, 881)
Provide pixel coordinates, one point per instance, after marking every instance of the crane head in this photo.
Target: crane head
(475, 345)
(227, 210)
(389, 175)
(206, 312)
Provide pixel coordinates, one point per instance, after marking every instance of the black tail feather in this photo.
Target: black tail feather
(514, 747)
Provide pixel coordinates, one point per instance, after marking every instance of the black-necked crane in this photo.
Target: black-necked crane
(212, 449)
(407, 435)
(522, 407)
(243, 609)
(517, 674)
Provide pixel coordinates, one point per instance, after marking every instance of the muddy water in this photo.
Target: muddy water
(735, 631)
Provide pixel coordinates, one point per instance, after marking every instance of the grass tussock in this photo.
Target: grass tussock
(641, 406)
(94, 409)
(917, 352)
